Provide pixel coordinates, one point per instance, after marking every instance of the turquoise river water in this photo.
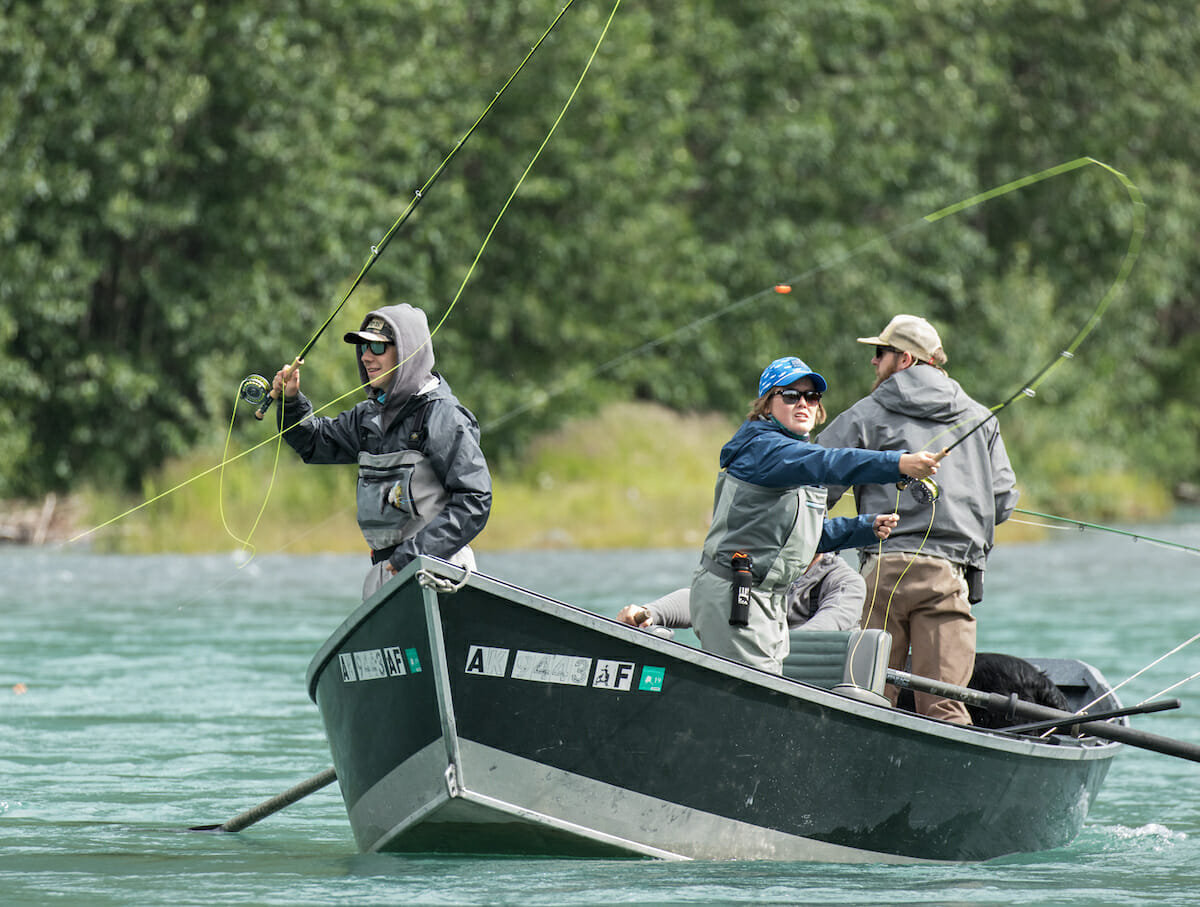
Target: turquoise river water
(140, 696)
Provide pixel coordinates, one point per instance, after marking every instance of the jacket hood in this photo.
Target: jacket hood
(414, 347)
(924, 392)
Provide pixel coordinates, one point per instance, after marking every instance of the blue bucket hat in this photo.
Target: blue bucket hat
(788, 370)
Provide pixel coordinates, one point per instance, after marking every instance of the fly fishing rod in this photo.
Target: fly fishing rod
(257, 390)
(926, 491)
(1081, 525)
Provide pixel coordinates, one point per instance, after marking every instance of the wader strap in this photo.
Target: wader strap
(725, 571)
(383, 554)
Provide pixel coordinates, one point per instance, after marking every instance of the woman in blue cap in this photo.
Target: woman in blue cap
(769, 515)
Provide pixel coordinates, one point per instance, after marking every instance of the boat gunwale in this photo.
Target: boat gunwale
(1054, 747)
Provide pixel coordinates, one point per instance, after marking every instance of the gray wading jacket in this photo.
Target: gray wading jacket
(418, 414)
(922, 408)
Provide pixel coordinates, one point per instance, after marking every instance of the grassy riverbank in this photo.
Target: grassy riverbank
(633, 476)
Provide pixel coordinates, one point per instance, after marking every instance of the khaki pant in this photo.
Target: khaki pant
(927, 610)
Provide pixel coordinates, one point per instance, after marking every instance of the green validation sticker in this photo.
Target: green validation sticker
(414, 661)
(652, 679)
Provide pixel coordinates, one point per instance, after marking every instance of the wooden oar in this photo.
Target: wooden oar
(274, 805)
(1000, 704)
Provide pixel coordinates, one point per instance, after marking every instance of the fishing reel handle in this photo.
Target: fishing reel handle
(262, 410)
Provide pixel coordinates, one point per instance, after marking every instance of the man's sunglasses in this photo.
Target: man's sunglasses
(378, 347)
(791, 397)
(881, 351)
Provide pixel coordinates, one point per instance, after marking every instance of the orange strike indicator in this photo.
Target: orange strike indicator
(782, 288)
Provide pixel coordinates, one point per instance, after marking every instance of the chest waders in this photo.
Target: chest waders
(409, 479)
(779, 528)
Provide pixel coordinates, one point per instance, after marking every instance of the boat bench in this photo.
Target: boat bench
(851, 662)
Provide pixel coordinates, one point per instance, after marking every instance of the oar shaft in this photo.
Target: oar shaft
(280, 801)
(994, 702)
(1146, 709)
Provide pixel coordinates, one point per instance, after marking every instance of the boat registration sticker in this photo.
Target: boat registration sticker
(414, 661)
(373, 664)
(613, 675)
(548, 668)
(393, 659)
(370, 665)
(489, 660)
(652, 679)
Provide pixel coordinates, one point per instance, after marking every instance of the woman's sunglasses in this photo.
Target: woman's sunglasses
(378, 347)
(791, 397)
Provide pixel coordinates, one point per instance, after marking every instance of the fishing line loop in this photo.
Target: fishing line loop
(377, 250)
(878, 555)
(1133, 250)
(495, 223)
(542, 395)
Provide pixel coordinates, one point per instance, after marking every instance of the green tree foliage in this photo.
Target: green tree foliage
(189, 190)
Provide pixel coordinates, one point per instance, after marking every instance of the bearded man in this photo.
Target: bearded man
(922, 581)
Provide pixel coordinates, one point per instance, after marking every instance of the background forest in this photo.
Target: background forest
(190, 188)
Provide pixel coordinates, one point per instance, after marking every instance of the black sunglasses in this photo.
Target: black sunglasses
(881, 351)
(791, 396)
(378, 347)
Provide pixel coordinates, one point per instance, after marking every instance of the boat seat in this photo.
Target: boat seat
(851, 662)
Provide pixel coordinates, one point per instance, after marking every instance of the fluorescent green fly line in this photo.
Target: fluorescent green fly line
(376, 250)
(887, 610)
(1080, 525)
(483, 246)
(540, 396)
(419, 195)
(1030, 388)
(1136, 234)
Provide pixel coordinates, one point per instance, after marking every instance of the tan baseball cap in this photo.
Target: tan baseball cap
(912, 335)
(375, 329)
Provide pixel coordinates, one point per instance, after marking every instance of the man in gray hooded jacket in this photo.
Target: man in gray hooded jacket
(917, 589)
(423, 483)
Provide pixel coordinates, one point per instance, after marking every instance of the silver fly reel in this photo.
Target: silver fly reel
(255, 390)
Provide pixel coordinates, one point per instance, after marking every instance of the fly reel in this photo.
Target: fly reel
(924, 491)
(255, 390)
